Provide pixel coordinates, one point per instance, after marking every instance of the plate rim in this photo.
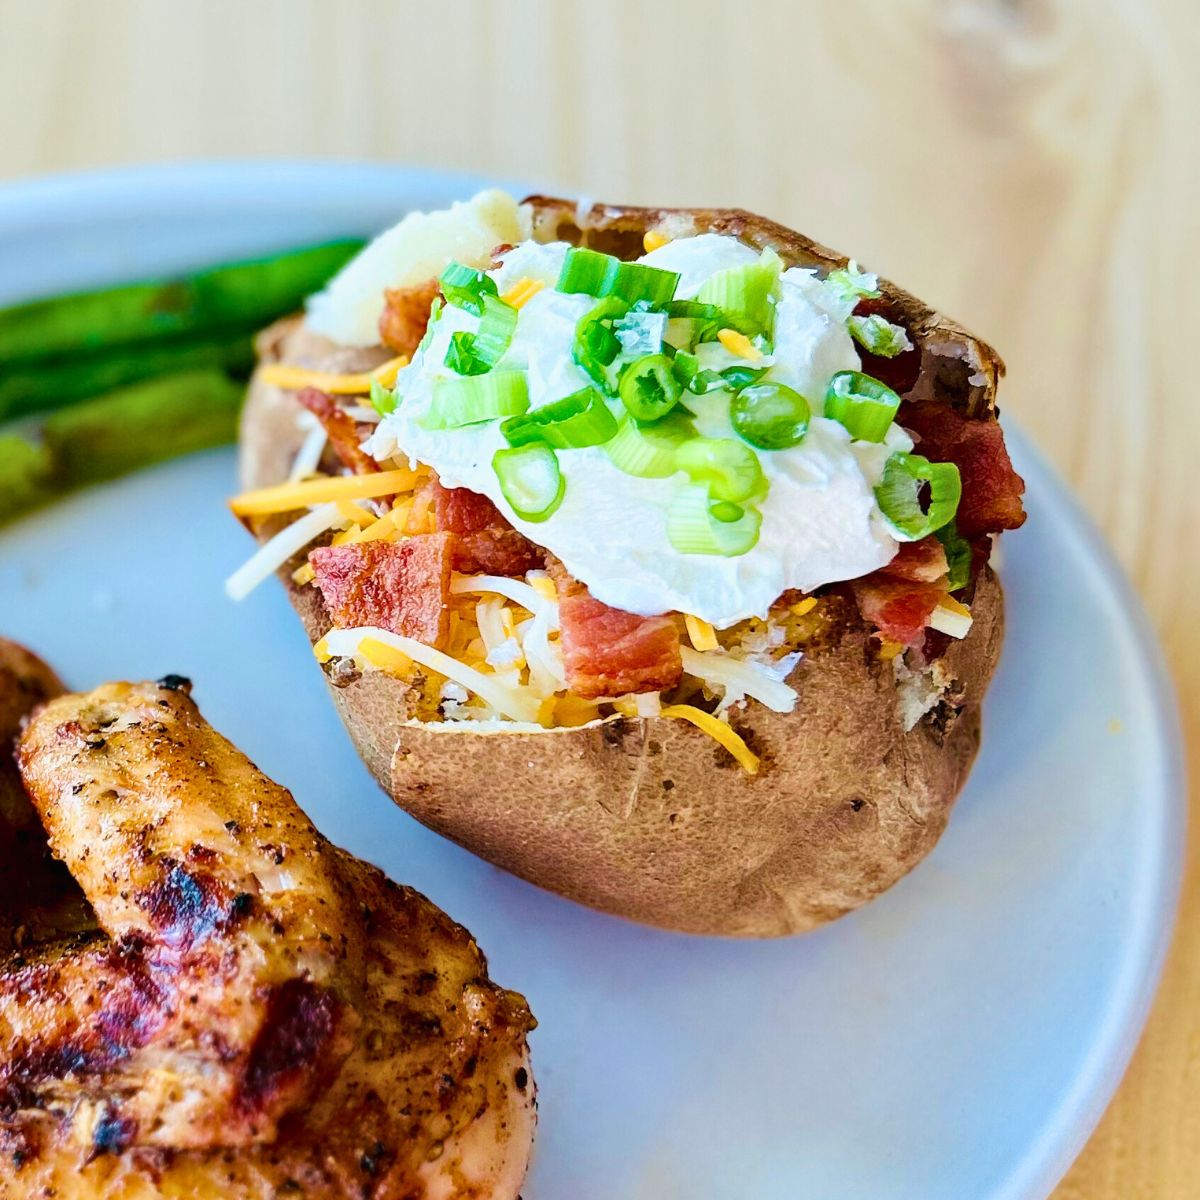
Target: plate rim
(1050, 1156)
(41, 198)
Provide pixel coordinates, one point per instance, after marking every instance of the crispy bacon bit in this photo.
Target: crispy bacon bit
(991, 489)
(898, 608)
(399, 586)
(406, 316)
(918, 562)
(608, 652)
(899, 373)
(484, 542)
(341, 429)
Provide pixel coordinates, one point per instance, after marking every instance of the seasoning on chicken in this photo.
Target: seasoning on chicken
(261, 1012)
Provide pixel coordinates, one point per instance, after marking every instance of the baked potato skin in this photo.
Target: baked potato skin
(649, 818)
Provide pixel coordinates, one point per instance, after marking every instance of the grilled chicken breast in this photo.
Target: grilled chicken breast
(258, 1013)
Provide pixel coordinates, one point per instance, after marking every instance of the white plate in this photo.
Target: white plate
(958, 1039)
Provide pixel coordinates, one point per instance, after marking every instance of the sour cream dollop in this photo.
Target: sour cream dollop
(820, 519)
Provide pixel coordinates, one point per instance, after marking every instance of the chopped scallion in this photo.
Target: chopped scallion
(698, 525)
(477, 353)
(530, 479)
(580, 419)
(596, 274)
(649, 389)
(770, 415)
(474, 398)
(383, 399)
(465, 287)
(958, 555)
(906, 479)
(745, 293)
(649, 451)
(863, 405)
(729, 468)
(596, 346)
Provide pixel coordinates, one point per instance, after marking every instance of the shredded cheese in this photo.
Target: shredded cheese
(512, 589)
(385, 658)
(522, 292)
(951, 618)
(889, 649)
(739, 344)
(293, 379)
(287, 497)
(543, 585)
(717, 729)
(516, 703)
(308, 457)
(271, 555)
(653, 240)
(701, 633)
(355, 512)
(804, 607)
(740, 677)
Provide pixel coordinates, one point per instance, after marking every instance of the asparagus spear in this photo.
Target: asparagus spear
(24, 475)
(245, 294)
(141, 424)
(33, 389)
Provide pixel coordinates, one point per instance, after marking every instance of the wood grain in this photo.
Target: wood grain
(1031, 166)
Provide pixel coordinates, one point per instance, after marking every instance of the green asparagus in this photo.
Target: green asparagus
(24, 476)
(139, 425)
(34, 389)
(246, 295)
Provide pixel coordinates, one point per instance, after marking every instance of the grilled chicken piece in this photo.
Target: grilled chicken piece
(263, 1013)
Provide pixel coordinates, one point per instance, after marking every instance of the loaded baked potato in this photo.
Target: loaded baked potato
(653, 567)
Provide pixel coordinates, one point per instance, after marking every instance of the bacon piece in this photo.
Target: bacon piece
(406, 316)
(898, 608)
(403, 586)
(484, 543)
(340, 428)
(918, 562)
(899, 373)
(991, 489)
(608, 652)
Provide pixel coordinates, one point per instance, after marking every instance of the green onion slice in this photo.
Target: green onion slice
(596, 274)
(877, 335)
(729, 468)
(649, 389)
(580, 419)
(465, 287)
(906, 478)
(477, 353)
(435, 311)
(958, 555)
(688, 371)
(474, 398)
(706, 320)
(741, 376)
(863, 405)
(770, 415)
(649, 451)
(530, 479)
(383, 399)
(596, 346)
(697, 525)
(744, 293)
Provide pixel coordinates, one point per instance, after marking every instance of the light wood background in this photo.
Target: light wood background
(1030, 166)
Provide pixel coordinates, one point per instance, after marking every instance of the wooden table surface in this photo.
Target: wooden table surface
(1030, 166)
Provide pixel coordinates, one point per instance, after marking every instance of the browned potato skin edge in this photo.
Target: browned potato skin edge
(650, 819)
